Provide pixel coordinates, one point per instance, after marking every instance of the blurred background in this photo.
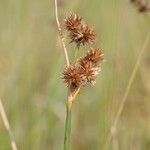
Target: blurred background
(31, 63)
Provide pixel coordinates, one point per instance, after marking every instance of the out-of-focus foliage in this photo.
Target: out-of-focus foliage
(31, 62)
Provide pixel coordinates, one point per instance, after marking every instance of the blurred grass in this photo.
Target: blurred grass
(31, 62)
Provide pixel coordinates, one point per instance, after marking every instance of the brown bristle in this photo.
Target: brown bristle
(72, 76)
(83, 35)
(94, 56)
(84, 71)
(79, 32)
(89, 70)
(72, 22)
(90, 63)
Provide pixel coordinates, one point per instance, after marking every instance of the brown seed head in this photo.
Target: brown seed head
(141, 5)
(143, 8)
(73, 77)
(94, 56)
(90, 64)
(84, 71)
(89, 71)
(79, 31)
(72, 22)
(83, 35)
(86, 68)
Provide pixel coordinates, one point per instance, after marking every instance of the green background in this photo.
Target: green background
(31, 63)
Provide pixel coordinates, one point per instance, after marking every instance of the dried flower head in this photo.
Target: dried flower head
(141, 5)
(94, 56)
(83, 35)
(89, 71)
(72, 22)
(73, 77)
(90, 64)
(143, 8)
(84, 71)
(79, 31)
(86, 68)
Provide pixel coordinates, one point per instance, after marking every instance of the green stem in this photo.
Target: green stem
(67, 137)
(76, 54)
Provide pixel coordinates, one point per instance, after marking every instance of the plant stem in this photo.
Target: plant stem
(61, 35)
(125, 96)
(67, 138)
(7, 126)
(76, 54)
(70, 101)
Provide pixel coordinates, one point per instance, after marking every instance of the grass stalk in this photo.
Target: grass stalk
(125, 96)
(7, 126)
(61, 34)
(76, 53)
(67, 138)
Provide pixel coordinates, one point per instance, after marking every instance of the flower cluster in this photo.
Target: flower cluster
(84, 70)
(90, 64)
(79, 31)
(73, 77)
(142, 5)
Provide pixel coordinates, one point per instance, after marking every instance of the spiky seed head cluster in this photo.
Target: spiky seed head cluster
(94, 56)
(142, 5)
(84, 70)
(79, 32)
(72, 22)
(72, 76)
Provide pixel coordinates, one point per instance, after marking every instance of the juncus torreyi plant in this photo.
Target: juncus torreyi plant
(85, 68)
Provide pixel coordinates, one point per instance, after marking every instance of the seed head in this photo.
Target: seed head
(89, 71)
(94, 56)
(79, 31)
(83, 35)
(73, 77)
(72, 22)
(84, 71)
(143, 8)
(86, 68)
(141, 5)
(90, 64)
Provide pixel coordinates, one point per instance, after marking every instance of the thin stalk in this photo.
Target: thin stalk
(67, 138)
(71, 96)
(125, 96)
(70, 101)
(7, 126)
(61, 35)
(76, 53)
